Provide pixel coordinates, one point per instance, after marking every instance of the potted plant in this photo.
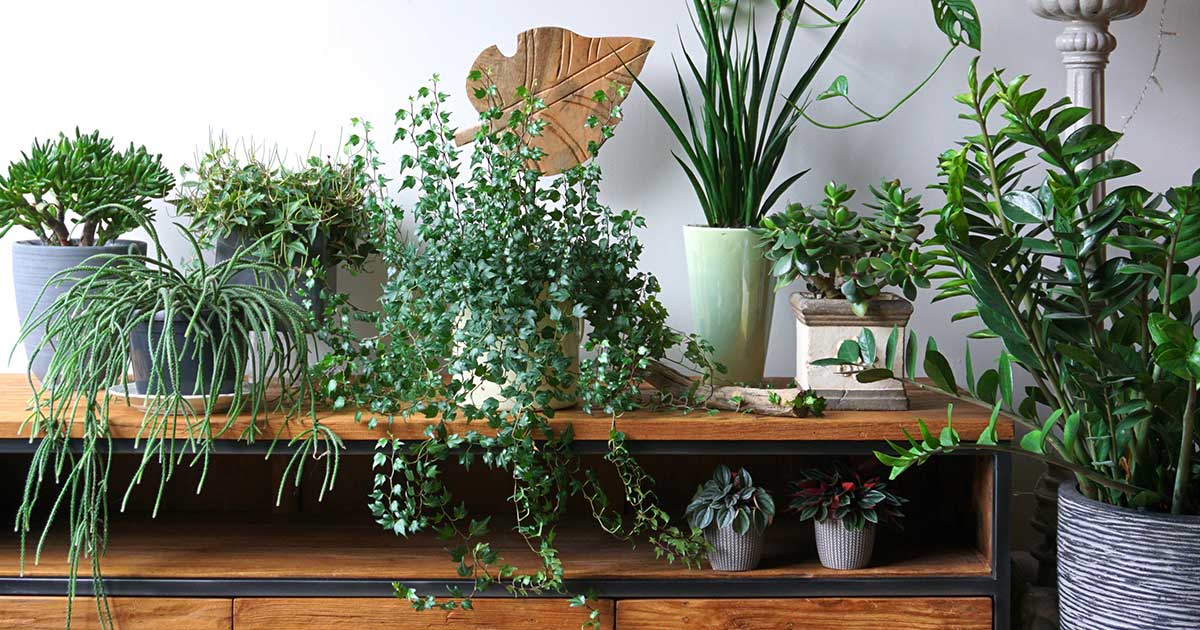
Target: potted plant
(845, 509)
(307, 219)
(846, 261)
(734, 514)
(739, 118)
(190, 335)
(78, 195)
(1094, 306)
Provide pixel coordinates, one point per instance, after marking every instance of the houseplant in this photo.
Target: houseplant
(167, 320)
(845, 509)
(1094, 306)
(307, 218)
(78, 195)
(502, 267)
(846, 260)
(739, 116)
(734, 514)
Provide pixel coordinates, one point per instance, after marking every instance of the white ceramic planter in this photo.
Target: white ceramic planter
(481, 390)
(821, 327)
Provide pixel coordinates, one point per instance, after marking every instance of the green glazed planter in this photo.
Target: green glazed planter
(732, 297)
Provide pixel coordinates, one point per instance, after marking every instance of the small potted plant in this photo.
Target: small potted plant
(733, 514)
(846, 260)
(78, 195)
(845, 509)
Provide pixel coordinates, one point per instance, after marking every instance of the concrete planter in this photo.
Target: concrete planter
(842, 548)
(228, 246)
(1123, 568)
(821, 327)
(195, 367)
(33, 265)
(732, 551)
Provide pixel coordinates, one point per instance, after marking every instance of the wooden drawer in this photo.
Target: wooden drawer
(937, 613)
(336, 613)
(129, 613)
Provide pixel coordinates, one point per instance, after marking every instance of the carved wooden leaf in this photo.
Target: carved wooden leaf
(565, 70)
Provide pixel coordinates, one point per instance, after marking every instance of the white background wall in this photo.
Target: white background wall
(293, 72)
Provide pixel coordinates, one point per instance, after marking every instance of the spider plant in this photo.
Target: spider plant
(178, 315)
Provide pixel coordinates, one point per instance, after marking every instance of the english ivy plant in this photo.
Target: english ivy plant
(841, 255)
(1092, 303)
(504, 268)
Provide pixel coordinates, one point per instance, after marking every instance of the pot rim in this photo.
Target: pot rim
(702, 226)
(1069, 490)
(121, 242)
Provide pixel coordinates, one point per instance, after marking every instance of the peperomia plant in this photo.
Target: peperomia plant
(841, 255)
(1092, 303)
(730, 499)
(504, 268)
(81, 182)
(846, 496)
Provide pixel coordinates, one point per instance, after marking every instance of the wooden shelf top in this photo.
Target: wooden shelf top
(969, 420)
(351, 547)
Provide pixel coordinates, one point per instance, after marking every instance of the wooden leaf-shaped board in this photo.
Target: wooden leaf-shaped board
(565, 70)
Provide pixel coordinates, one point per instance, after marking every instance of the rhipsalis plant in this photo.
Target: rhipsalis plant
(81, 190)
(1093, 304)
(232, 331)
(740, 112)
(841, 255)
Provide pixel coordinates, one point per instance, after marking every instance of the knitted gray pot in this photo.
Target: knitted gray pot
(731, 551)
(842, 548)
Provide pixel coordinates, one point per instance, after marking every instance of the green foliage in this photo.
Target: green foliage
(83, 180)
(1092, 303)
(286, 211)
(841, 255)
(740, 114)
(230, 329)
(730, 499)
(505, 268)
(844, 495)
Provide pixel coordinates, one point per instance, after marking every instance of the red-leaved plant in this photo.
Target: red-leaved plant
(846, 496)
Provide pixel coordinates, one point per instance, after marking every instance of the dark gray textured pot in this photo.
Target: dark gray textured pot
(1125, 569)
(732, 551)
(228, 246)
(195, 361)
(33, 265)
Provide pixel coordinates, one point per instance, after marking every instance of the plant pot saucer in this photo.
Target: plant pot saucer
(144, 402)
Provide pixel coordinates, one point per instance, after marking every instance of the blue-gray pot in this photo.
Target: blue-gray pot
(228, 246)
(195, 366)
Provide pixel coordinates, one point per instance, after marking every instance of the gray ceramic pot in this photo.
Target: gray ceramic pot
(195, 361)
(1123, 568)
(843, 548)
(228, 246)
(33, 265)
(731, 551)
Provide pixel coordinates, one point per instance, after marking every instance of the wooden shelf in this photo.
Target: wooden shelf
(969, 420)
(351, 547)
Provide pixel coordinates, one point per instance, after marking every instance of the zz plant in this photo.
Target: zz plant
(1093, 304)
(230, 328)
(83, 183)
(841, 255)
(506, 265)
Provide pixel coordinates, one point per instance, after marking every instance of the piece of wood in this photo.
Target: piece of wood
(563, 69)
(348, 546)
(698, 425)
(393, 614)
(910, 613)
(128, 613)
(776, 400)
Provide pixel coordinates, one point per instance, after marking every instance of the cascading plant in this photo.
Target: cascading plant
(504, 269)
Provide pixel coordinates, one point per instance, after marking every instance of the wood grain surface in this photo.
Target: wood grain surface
(912, 613)
(129, 613)
(393, 614)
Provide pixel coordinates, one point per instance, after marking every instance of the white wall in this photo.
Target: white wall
(293, 72)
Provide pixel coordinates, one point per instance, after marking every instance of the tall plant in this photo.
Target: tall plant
(1093, 304)
(742, 109)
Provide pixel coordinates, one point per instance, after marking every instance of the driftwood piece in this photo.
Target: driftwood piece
(565, 70)
(765, 401)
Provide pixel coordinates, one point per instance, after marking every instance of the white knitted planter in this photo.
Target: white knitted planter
(842, 548)
(732, 551)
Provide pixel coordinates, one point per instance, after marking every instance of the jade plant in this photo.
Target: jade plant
(730, 499)
(844, 495)
(740, 111)
(504, 267)
(1092, 304)
(842, 255)
(81, 190)
(114, 308)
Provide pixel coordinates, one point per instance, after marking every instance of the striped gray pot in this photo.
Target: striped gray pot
(1122, 568)
(843, 548)
(731, 551)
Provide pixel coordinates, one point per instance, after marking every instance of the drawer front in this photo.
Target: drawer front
(823, 613)
(340, 613)
(128, 613)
